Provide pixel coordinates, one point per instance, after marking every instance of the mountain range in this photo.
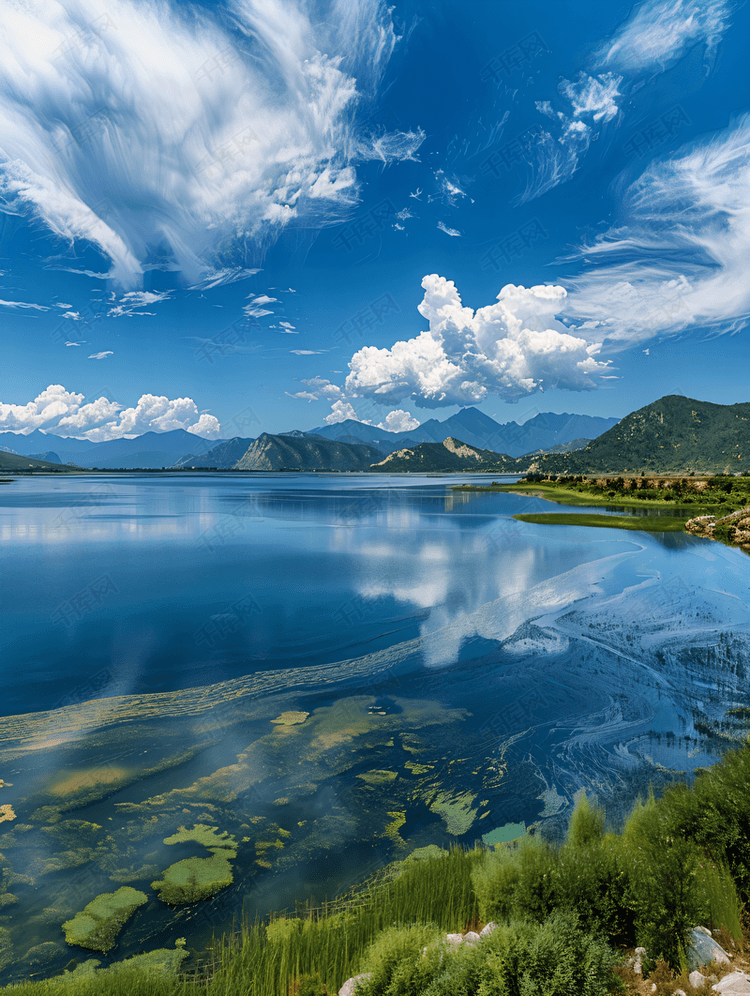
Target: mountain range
(179, 448)
(542, 432)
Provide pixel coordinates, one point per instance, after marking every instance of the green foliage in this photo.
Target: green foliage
(397, 962)
(586, 825)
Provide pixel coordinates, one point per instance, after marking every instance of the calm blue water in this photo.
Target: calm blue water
(145, 584)
(454, 671)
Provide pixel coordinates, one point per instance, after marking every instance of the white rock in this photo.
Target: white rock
(736, 984)
(350, 986)
(454, 939)
(705, 930)
(680, 992)
(488, 929)
(472, 937)
(696, 979)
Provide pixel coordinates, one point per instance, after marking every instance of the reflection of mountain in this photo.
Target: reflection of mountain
(305, 452)
(542, 432)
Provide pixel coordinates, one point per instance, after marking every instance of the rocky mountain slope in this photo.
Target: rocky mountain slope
(305, 452)
(450, 455)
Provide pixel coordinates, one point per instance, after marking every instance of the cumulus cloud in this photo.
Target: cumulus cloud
(340, 411)
(201, 132)
(62, 412)
(513, 348)
(659, 33)
(691, 213)
(399, 421)
(324, 388)
(101, 356)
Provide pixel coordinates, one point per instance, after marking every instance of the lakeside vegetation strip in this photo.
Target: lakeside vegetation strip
(642, 523)
(565, 914)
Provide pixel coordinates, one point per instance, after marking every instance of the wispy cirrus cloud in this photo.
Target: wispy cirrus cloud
(23, 305)
(230, 123)
(659, 33)
(680, 256)
(656, 37)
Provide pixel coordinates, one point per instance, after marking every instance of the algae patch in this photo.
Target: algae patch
(6, 813)
(291, 718)
(455, 811)
(192, 879)
(378, 777)
(98, 925)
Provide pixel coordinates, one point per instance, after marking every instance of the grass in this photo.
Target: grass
(562, 912)
(642, 523)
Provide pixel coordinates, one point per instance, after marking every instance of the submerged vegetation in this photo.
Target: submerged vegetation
(564, 913)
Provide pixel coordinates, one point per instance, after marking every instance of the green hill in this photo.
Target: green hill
(671, 435)
(450, 455)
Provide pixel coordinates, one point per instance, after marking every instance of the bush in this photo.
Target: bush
(397, 964)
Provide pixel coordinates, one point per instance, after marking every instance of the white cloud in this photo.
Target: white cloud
(229, 124)
(307, 352)
(340, 411)
(62, 412)
(74, 316)
(22, 304)
(691, 213)
(223, 276)
(137, 299)
(63, 306)
(75, 343)
(448, 231)
(263, 299)
(593, 97)
(101, 356)
(207, 426)
(399, 421)
(513, 348)
(46, 409)
(288, 327)
(252, 312)
(593, 102)
(303, 395)
(661, 31)
(324, 388)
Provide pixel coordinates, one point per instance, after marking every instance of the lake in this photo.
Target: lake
(332, 670)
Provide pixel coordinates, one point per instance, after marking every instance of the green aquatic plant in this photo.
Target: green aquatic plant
(455, 810)
(96, 927)
(378, 777)
(202, 834)
(192, 879)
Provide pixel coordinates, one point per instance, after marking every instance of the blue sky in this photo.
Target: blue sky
(259, 215)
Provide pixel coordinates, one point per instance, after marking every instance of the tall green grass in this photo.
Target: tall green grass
(681, 860)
